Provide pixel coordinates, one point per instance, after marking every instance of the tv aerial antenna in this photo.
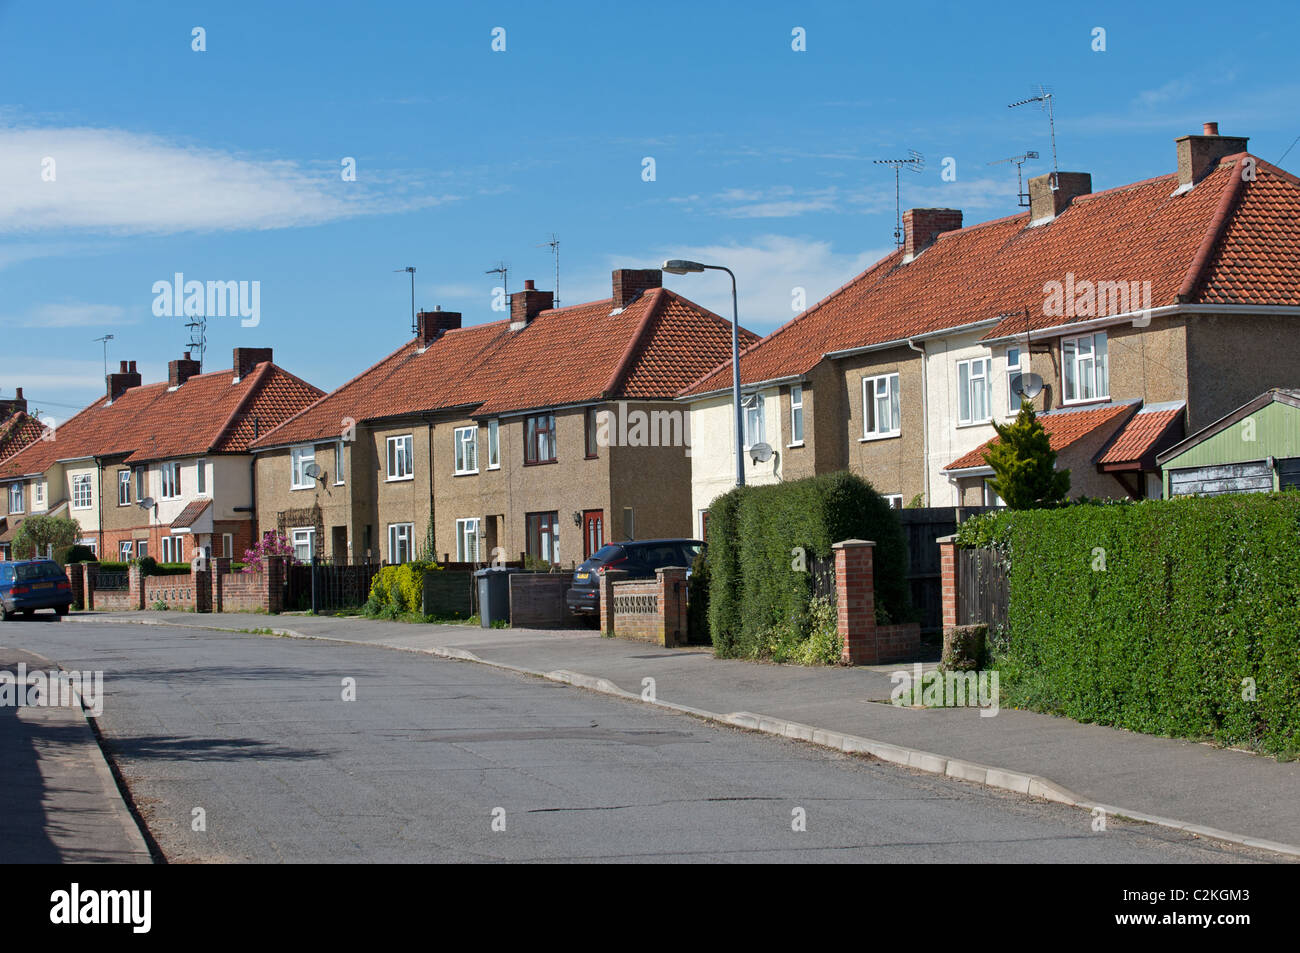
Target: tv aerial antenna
(1045, 100)
(198, 327)
(503, 270)
(410, 269)
(1020, 160)
(104, 341)
(554, 244)
(915, 162)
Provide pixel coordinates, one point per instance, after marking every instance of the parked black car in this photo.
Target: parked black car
(30, 584)
(638, 559)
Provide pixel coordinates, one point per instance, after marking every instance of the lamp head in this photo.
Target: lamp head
(680, 266)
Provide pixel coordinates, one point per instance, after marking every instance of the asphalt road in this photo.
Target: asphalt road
(252, 735)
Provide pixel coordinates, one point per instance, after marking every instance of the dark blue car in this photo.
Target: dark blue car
(31, 584)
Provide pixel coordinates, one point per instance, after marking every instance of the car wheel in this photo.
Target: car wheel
(5, 614)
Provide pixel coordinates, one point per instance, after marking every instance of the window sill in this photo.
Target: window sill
(465, 473)
(880, 436)
(791, 446)
(401, 479)
(494, 466)
(307, 486)
(539, 463)
(1105, 399)
(973, 423)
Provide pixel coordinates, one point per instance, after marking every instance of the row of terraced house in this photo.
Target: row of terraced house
(1148, 311)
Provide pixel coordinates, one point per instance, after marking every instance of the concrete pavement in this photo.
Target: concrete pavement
(1208, 790)
(59, 802)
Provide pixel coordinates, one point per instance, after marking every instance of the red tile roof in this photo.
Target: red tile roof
(17, 431)
(1147, 432)
(1226, 240)
(1064, 428)
(652, 348)
(209, 413)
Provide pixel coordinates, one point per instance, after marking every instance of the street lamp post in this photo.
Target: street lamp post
(678, 266)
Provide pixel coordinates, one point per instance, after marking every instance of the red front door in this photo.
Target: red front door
(593, 531)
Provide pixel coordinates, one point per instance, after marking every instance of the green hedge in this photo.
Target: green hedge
(1196, 595)
(753, 585)
(113, 567)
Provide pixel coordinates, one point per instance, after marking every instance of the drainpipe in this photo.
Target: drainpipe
(99, 503)
(925, 424)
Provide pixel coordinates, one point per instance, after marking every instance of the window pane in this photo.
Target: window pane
(868, 407)
(963, 392)
(1068, 355)
(895, 415)
(1103, 366)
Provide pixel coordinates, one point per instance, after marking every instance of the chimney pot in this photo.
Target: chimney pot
(119, 383)
(19, 393)
(1198, 156)
(921, 226)
(1045, 202)
(528, 304)
(630, 283)
(179, 371)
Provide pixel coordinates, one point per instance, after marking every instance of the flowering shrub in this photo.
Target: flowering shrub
(270, 545)
(398, 589)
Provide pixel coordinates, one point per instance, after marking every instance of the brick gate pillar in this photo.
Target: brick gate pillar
(607, 580)
(135, 586)
(672, 605)
(948, 574)
(855, 598)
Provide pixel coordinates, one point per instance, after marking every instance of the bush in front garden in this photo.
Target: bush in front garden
(396, 590)
(1164, 616)
(757, 595)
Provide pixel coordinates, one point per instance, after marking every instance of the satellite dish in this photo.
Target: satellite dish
(1027, 385)
(146, 503)
(312, 470)
(760, 453)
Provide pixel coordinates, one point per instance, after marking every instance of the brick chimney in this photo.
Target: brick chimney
(432, 325)
(247, 358)
(125, 378)
(14, 404)
(1199, 155)
(528, 304)
(921, 226)
(630, 283)
(1045, 203)
(181, 370)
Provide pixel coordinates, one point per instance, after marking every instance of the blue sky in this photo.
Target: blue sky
(225, 164)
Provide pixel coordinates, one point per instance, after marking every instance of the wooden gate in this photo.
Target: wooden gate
(982, 592)
(922, 527)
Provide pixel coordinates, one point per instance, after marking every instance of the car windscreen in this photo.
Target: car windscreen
(690, 551)
(36, 572)
(656, 556)
(606, 553)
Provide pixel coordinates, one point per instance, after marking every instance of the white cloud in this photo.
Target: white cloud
(768, 270)
(75, 315)
(119, 182)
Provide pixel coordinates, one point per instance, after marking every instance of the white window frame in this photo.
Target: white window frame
(1073, 363)
(752, 404)
(399, 454)
(170, 487)
(299, 457)
(123, 487)
(796, 415)
(38, 494)
(339, 446)
(871, 397)
(303, 536)
(494, 444)
(172, 548)
(465, 449)
(124, 549)
(976, 373)
(201, 481)
(466, 534)
(140, 483)
(16, 501)
(895, 500)
(82, 482)
(228, 545)
(1013, 368)
(400, 534)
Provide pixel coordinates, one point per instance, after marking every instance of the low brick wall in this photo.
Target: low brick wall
(450, 591)
(647, 610)
(247, 591)
(114, 600)
(537, 600)
(898, 643)
(177, 592)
